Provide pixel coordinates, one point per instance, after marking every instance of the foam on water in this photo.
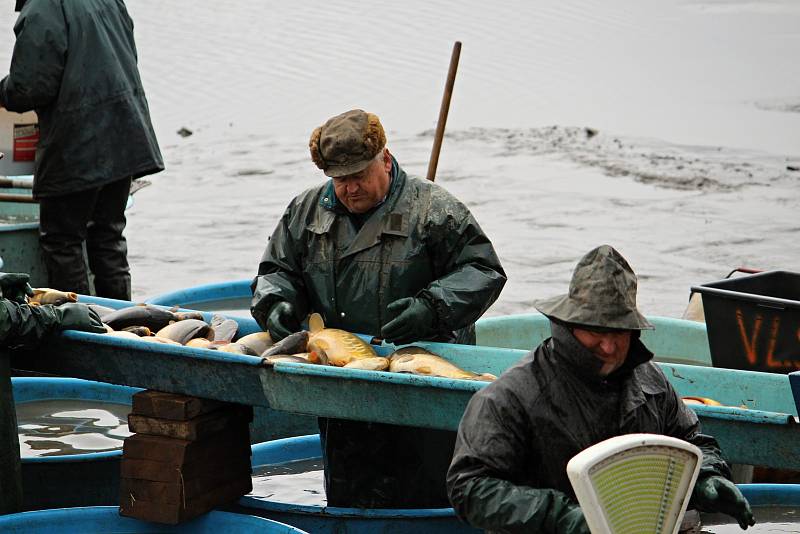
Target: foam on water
(61, 427)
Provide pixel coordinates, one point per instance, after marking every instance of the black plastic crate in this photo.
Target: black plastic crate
(753, 321)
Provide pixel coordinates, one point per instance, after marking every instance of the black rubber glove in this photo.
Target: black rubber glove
(414, 319)
(15, 287)
(718, 494)
(76, 316)
(572, 522)
(282, 321)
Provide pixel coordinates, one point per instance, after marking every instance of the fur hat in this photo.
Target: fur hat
(347, 143)
(602, 294)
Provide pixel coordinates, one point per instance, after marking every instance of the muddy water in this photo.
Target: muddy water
(696, 103)
(298, 482)
(60, 427)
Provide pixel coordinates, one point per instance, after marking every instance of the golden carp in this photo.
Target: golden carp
(340, 347)
(701, 400)
(419, 361)
(258, 342)
(183, 331)
(45, 295)
(370, 364)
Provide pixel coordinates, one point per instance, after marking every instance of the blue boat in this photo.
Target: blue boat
(673, 340)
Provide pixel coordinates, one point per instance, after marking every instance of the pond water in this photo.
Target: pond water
(772, 519)
(65, 426)
(298, 482)
(696, 105)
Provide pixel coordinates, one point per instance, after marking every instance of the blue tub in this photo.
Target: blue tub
(76, 479)
(319, 519)
(104, 519)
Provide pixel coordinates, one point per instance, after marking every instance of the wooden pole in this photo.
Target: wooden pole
(18, 198)
(10, 470)
(448, 92)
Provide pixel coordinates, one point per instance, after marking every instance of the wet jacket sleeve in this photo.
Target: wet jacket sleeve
(279, 274)
(37, 63)
(23, 326)
(490, 452)
(469, 274)
(682, 423)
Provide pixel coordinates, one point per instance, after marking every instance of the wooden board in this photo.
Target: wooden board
(180, 451)
(178, 492)
(228, 420)
(165, 472)
(172, 406)
(174, 513)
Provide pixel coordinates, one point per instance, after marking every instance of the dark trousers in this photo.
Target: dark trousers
(96, 217)
(375, 465)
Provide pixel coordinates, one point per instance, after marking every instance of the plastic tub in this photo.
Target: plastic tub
(754, 321)
(322, 519)
(104, 519)
(74, 479)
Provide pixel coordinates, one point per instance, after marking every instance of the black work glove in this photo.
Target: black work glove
(75, 316)
(718, 494)
(15, 287)
(282, 321)
(414, 319)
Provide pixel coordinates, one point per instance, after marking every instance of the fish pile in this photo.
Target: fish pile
(331, 346)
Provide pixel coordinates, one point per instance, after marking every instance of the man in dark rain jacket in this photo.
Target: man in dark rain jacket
(377, 252)
(592, 380)
(24, 326)
(75, 64)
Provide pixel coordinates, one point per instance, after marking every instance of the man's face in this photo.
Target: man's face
(360, 192)
(609, 347)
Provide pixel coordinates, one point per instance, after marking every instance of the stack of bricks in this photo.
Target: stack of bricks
(187, 456)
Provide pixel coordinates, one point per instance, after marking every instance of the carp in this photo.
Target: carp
(102, 311)
(123, 334)
(701, 400)
(156, 339)
(183, 331)
(370, 364)
(275, 358)
(153, 317)
(224, 328)
(419, 361)
(45, 295)
(233, 348)
(291, 344)
(339, 346)
(199, 343)
(141, 331)
(258, 342)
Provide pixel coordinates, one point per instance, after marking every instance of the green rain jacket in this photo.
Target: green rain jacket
(419, 242)
(508, 472)
(75, 64)
(23, 326)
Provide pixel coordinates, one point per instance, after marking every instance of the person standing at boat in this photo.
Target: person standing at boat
(592, 380)
(75, 64)
(377, 252)
(22, 325)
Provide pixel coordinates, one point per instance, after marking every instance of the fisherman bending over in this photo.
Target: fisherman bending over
(592, 380)
(377, 252)
(22, 325)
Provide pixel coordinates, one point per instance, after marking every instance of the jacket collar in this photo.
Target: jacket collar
(584, 364)
(390, 217)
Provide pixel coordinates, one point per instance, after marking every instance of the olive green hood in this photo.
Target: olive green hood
(602, 294)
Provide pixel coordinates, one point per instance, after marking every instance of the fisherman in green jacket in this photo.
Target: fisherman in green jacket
(75, 64)
(379, 253)
(592, 380)
(23, 326)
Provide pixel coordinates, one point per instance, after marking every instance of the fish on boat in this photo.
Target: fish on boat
(258, 341)
(275, 358)
(419, 361)
(141, 331)
(101, 311)
(199, 343)
(153, 317)
(224, 328)
(291, 344)
(187, 329)
(233, 348)
(157, 339)
(339, 346)
(701, 400)
(370, 364)
(45, 295)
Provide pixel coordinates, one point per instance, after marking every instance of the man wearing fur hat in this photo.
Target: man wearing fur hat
(592, 380)
(377, 252)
